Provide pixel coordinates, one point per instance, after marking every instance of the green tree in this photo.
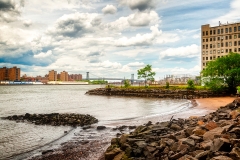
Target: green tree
(127, 83)
(226, 68)
(190, 84)
(146, 73)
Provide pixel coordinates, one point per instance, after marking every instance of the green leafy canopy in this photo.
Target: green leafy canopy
(146, 73)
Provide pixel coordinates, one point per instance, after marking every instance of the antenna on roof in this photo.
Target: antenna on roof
(219, 23)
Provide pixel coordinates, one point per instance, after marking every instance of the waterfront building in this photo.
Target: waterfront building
(10, 74)
(52, 76)
(75, 77)
(219, 41)
(64, 76)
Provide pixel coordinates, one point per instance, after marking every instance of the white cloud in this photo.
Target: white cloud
(27, 23)
(143, 18)
(43, 55)
(107, 64)
(141, 5)
(136, 64)
(139, 39)
(183, 52)
(109, 9)
(179, 70)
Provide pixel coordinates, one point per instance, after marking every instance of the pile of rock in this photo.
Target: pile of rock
(55, 119)
(215, 136)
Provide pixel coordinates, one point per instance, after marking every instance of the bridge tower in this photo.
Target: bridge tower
(132, 78)
(87, 75)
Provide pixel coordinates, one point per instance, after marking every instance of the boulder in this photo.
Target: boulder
(210, 135)
(221, 158)
(101, 127)
(111, 154)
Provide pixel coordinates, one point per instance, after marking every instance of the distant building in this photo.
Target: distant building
(64, 76)
(218, 41)
(75, 77)
(52, 76)
(10, 74)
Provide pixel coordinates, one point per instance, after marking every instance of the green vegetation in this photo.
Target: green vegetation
(190, 84)
(167, 85)
(98, 82)
(127, 83)
(223, 73)
(146, 73)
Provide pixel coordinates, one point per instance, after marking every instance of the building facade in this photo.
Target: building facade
(64, 76)
(10, 74)
(75, 77)
(218, 41)
(52, 76)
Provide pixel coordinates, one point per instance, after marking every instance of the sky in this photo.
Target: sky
(111, 39)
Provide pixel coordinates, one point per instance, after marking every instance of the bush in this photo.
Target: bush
(216, 84)
(167, 85)
(190, 84)
(127, 83)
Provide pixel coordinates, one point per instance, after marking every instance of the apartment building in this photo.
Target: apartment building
(218, 41)
(64, 76)
(75, 77)
(10, 74)
(52, 76)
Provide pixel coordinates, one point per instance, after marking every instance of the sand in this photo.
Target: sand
(213, 103)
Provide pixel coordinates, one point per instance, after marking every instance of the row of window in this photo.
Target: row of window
(221, 38)
(211, 58)
(221, 31)
(221, 51)
(227, 44)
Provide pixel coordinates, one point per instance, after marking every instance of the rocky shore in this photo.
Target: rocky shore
(155, 93)
(215, 136)
(55, 119)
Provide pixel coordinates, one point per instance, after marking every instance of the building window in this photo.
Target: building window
(214, 57)
(210, 32)
(213, 45)
(203, 52)
(238, 49)
(203, 40)
(218, 56)
(211, 52)
(214, 38)
(239, 43)
(238, 35)
(221, 44)
(210, 39)
(221, 31)
(238, 28)
(230, 50)
(206, 46)
(206, 58)
(230, 29)
(226, 50)
(226, 30)
(206, 33)
(203, 46)
(206, 39)
(230, 36)
(235, 36)
(206, 52)
(210, 58)
(218, 38)
(235, 29)
(235, 43)
(214, 31)
(218, 51)
(230, 44)
(203, 33)
(226, 44)
(235, 49)
(203, 58)
(222, 51)
(226, 37)
(218, 31)
(214, 51)
(203, 64)
(210, 45)
(218, 45)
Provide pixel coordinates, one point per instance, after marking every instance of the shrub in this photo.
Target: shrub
(167, 85)
(190, 84)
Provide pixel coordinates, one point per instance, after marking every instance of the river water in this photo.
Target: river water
(20, 138)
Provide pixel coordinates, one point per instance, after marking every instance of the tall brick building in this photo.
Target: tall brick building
(52, 76)
(64, 76)
(218, 41)
(10, 74)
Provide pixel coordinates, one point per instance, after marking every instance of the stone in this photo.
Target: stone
(175, 127)
(123, 139)
(169, 142)
(119, 156)
(212, 133)
(187, 157)
(150, 149)
(188, 141)
(211, 125)
(221, 158)
(101, 127)
(235, 153)
(198, 131)
(221, 144)
(206, 145)
(141, 144)
(111, 154)
(195, 137)
(202, 155)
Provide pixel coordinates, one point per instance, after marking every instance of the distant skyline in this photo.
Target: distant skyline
(108, 38)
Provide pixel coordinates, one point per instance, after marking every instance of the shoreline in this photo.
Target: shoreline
(206, 105)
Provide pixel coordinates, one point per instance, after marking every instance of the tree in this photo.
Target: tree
(190, 84)
(226, 68)
(146, 73)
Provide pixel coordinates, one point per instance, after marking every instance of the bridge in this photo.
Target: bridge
(104, 78)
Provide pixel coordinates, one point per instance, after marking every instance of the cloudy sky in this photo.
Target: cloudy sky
(107, 38)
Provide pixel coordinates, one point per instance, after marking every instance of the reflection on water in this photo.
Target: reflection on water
(17, 138)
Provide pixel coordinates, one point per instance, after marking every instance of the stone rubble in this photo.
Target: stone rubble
(215, 136)
(55, 119)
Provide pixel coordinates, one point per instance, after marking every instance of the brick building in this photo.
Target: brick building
(218, 41)
(52, 76)
(64, 76)
(75, 77)
(10, 74)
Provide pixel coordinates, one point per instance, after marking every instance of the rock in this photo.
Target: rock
(199, 131)
(212, 133)
(221, 144)
(187, 157)
(211, 125)
(206, 145)
(47, 151)
(169, 142)
(101, 127)
(188, 141)
(221, 158)
(141, 144)
(235, 153)
(150, 149)
(175, 127)
(202, 155)
(111, 154)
